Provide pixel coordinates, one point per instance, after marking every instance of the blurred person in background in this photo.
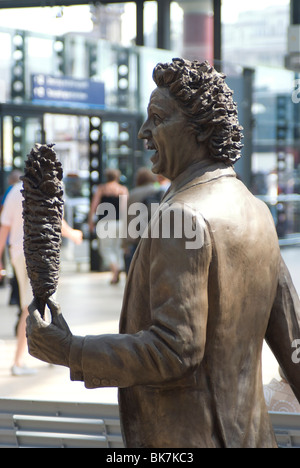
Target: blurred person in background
(163, 182)
(146, 188)
(13, 178)
(12, 229)
(114, 194)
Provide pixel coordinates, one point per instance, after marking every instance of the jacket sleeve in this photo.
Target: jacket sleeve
(283, 332)
(172, 345)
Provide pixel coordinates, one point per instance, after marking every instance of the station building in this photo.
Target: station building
(86, 87)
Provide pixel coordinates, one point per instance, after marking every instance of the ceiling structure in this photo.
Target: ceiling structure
(43, 3)
(52, 3)
(163, 17)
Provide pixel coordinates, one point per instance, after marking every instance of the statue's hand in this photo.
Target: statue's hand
(48, 342)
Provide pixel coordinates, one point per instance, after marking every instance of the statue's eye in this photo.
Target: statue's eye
(157, 120)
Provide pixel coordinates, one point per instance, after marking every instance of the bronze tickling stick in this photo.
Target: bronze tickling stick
(42, 214)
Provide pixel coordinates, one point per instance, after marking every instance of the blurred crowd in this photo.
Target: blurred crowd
(117, 247)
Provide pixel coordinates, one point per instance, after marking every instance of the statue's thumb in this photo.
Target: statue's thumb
(54, 309)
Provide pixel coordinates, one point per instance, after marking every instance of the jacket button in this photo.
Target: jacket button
(96, 381)
(105, 383)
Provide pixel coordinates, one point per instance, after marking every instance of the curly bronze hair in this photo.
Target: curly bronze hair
(207, 103)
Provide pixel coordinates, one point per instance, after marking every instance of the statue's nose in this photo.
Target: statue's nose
(145, 132)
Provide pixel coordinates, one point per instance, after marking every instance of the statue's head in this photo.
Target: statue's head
(191, 117)
(207, 102)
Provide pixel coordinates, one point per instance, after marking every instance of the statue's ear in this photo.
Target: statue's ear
(204, 133)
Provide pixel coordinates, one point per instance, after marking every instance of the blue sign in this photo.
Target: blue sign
(63, 90)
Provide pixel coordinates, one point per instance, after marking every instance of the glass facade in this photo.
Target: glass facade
(276, 157)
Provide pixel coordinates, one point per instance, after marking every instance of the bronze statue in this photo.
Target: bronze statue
(42, 213)
(187, 360)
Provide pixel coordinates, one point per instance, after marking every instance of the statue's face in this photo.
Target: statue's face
(168, 133)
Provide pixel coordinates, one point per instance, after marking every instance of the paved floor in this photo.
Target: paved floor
(91, 306)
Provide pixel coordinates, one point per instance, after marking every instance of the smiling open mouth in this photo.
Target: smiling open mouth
(152, 147)
(154, 158)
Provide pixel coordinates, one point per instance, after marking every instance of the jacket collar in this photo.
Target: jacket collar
(198, 173)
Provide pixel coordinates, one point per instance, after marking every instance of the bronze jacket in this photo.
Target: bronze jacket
(187, 360)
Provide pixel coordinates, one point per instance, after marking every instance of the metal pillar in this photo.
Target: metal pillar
(96, 175)
(140, 23)
(92, 58)
(123, 78)
(295, 20)
(244, 165)
(281, 142)
(217, 34)
(18, 95)
(59, 52)
(295, 11)
(164, 24)
(281, 137)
